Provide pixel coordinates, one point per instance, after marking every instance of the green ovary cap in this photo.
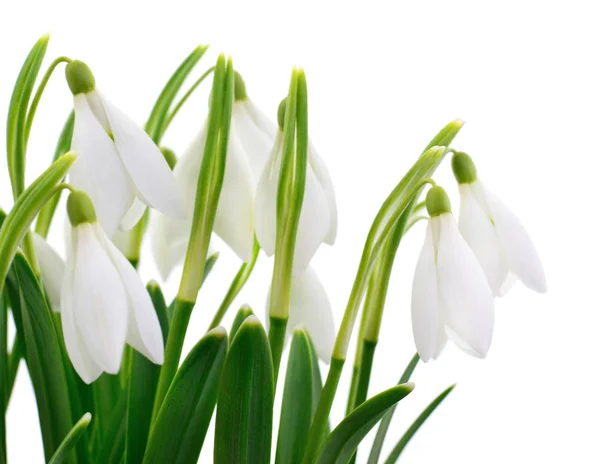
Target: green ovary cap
(80, 77)
(464, 168)
(80, 208)
(169, 156)
(281, 113)
(437, 202)
(239, 88)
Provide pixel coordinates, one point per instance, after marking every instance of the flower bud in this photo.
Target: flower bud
(464, 168)
(80, 77)
(437, 202)
(169, 156)
(239, 88)
(80, 208)
(281, 113)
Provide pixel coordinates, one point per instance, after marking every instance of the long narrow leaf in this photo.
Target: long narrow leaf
(345, 438)
(245, 407)
(182, 422)
(112, 447)
(64, 450)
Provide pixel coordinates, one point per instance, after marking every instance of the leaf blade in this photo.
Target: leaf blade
(63, 451)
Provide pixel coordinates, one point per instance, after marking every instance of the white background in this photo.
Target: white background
(383, 78)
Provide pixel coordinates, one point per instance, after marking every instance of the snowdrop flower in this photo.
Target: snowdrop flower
(504, 249)
(103, 303)
(310, 308)
(318, 218)
(119, 166)
(250, 139)
(450, 294)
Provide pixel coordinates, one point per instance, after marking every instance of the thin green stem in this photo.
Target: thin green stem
(187, 95)
(38, 94)
(236, 286)
(277, 329)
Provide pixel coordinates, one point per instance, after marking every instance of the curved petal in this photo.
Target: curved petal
(255, 134)
(82, 362)
(99, 301)
(169, 240)
(480, 234)
(322, 174)
(52, 270)
(234, 219)
(143, 329)
(466, 300)
(145, 163)
(314, 223)
(426, 322)
(518, 247)
(265, 207)
(133, 215)
(187, 170)
(310, 308)
(98, 170)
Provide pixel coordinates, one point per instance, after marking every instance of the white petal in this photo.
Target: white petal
(133, 216)
(518, 247)
(466, 300)
(480, 234)
(265, 209)
(52, 270)
(99, 301)
(83, 363)
(94, 99)
(255, 134)
(145, 163)
(426, 322)
(169, 240)
(187, 170)
(143, 329)
(314, 223)
(310, 308)
(324, 179)
(98, 170)
(234, 220)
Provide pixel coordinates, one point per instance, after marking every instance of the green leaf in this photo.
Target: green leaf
(4, 373)
(298, 404)
(64, 450)
(158, 120)
(42, 224)
(240, 317)
(182, 422)
(317, 384)
(245, 408)
(143, 379)
(387, 418)
(26, 208)
(341, 444)
(112, 446)
(17, 114)
(44, 362)
(395, 454)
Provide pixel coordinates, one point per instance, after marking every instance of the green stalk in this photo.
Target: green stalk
(236, 286)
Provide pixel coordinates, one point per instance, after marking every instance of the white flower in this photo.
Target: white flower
(450, 293)
(502, 245)
(318, 217)
(250, 139)
(103, 302)
(119, 166)
(310, 308)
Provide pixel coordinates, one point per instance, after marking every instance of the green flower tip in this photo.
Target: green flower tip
(437, 201)
(169, 156)
(281, 113)
(239, 88)
(464, 168)
(80, 208)
(80, 77)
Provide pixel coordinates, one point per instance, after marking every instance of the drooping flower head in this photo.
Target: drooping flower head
(103, 303)
(318, 218)
(119, 166)
(450, 295)
(496, 236)
(250, 138)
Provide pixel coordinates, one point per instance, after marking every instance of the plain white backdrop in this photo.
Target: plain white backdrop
(383, 78)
